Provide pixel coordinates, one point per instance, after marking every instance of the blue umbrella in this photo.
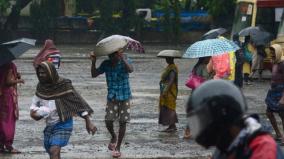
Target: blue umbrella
(13, 49)
(210, 47)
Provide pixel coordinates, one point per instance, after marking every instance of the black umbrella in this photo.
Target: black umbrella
(249, 30)
(214, 33)
(258, 35)
(261, 38)
(13, 49)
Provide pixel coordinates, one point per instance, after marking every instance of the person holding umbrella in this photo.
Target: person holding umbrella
(255, 40)
(117, 69)
(200, 70)
(9, 110)
(169, 91)
(9, 79)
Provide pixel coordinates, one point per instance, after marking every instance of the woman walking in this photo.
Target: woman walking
(199, 69)
(9, 111)
(168, 91)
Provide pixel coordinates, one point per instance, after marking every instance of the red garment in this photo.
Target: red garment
(48, 49)
(221, 66)
(263, 147)
(8, 103)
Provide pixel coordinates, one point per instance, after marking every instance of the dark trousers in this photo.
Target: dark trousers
(239, 75)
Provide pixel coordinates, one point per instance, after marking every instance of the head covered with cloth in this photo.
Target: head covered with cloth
(277, 53)
(53, 87)
(49, 52)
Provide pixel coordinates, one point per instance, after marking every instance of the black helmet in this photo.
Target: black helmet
(212, 108)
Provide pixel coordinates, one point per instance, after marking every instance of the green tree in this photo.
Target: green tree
(13, 18)
(43, 14)
(107, 24)
(171, 19)
(176, 20)
(85, 6)
(166, 21)
(221, 10)
(11, 23)
(187, 5)
(129, 16)
(4, 5)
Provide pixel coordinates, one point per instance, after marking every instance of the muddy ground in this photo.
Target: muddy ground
(143, 139)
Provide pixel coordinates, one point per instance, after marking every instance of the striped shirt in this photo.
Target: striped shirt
(117, 79)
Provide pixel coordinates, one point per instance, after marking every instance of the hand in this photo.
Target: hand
(121, 56)
(91, 128)
(18, 75)
(21, 81)
(34, 115)
(93, 56)
(16, 113)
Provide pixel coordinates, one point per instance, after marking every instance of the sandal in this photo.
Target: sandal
(2, 150)
(169, 130)
(116, 154)
(111, 146)
(13, 151)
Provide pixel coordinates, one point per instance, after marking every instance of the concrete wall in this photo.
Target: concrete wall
(72, 37)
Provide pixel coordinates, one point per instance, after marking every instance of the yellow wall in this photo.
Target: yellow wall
(254, 9)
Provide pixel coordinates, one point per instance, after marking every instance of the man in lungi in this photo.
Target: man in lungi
(57, 101)
(116, 69)
(275, 97)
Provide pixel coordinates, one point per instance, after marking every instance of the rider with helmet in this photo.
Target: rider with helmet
(216, 116)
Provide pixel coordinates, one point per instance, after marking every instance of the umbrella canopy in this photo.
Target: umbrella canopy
(258, 35)
(169, 53)
(261, 38)
(214, 33)
(236, 47)
(249, 30)
(113, 43)
(209, 47)
(133, 44)
(13, 49)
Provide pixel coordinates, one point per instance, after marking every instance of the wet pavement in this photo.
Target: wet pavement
(143, 137)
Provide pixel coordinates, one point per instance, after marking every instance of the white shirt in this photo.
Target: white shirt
(46, 109)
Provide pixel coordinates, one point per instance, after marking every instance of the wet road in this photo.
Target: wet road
(143, 139)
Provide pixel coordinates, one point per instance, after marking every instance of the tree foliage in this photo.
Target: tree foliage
(219, 9)
(4, 5)
(13, 18)
(43, 14)
(171, 19)
(128, 15)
